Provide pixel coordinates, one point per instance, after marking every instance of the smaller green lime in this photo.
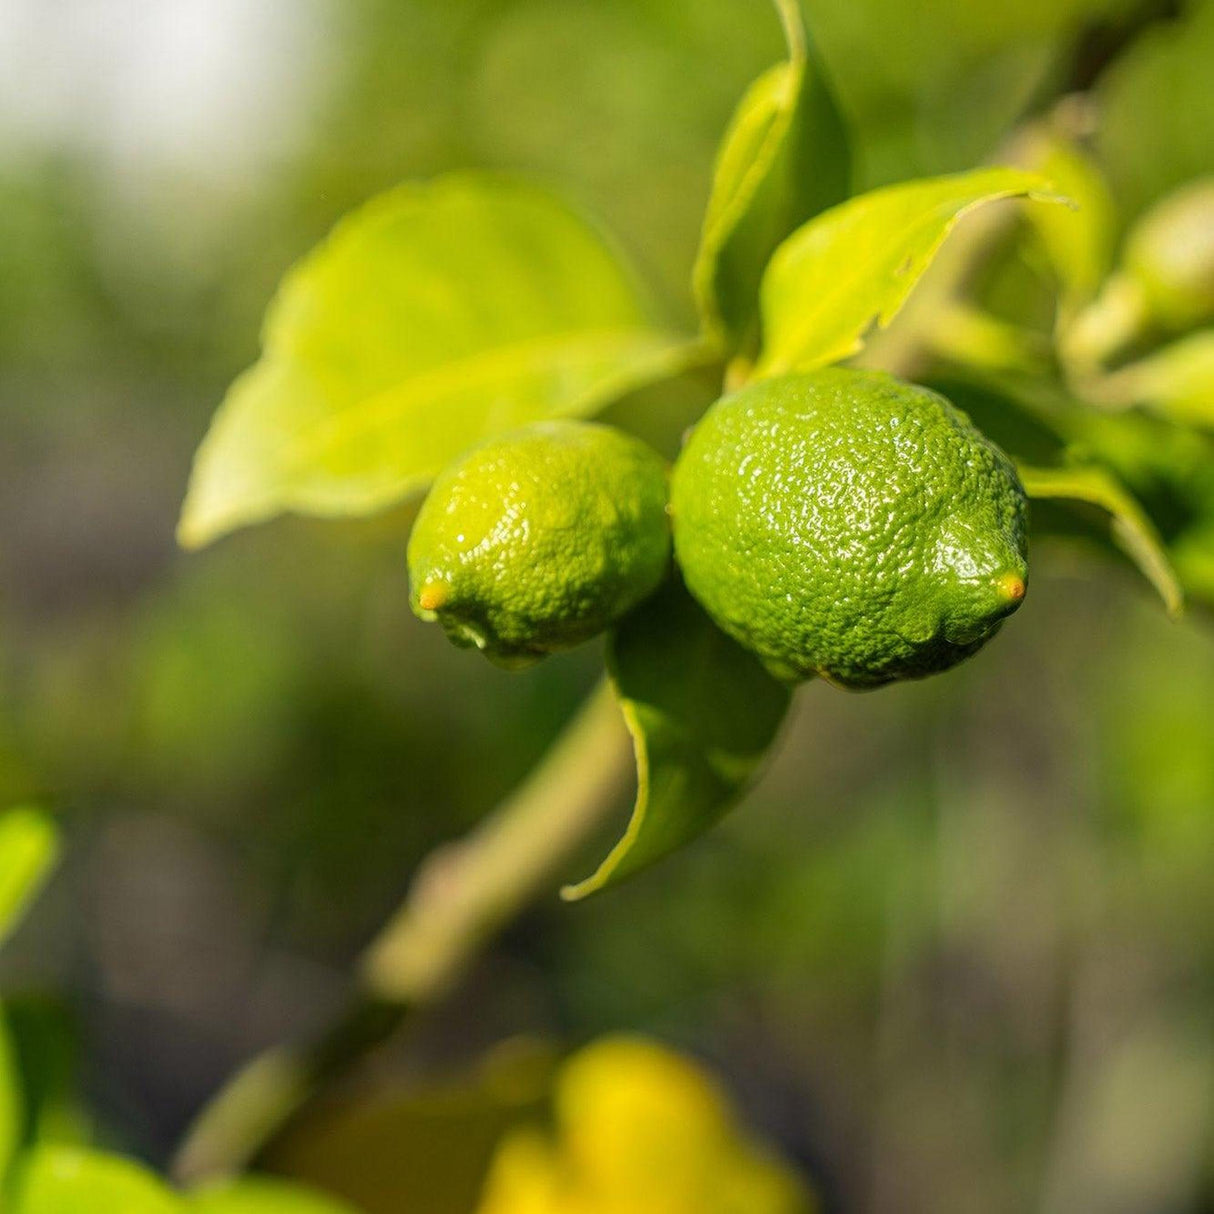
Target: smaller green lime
(541, 539)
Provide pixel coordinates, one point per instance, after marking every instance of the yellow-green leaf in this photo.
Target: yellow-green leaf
(784, 158)
(12, 1101)
(435, 316)
(702, 712)
(853, 266)
(72, 1180)
(29, 846)
(1177, 381)
(1130, 528)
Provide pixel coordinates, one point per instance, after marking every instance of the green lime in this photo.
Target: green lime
(539, 540)
(845, 524)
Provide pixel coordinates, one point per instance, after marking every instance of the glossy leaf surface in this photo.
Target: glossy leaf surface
(434, 317)
(853, 266)
(783, 159)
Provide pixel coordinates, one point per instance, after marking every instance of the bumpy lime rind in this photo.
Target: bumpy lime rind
(847, 525)
(541, 539)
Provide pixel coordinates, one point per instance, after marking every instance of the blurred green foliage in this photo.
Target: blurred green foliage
(955, 951)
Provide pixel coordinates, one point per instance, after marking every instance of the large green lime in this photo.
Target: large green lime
(846, 524)
(538, 540)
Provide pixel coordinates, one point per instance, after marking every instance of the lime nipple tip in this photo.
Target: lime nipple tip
(433, 595)
(1011, 587)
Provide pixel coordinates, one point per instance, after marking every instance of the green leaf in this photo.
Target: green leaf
(259, 1195)
(1130, 528)
(854, 265)
(434, 317)
(702, 712)
(29, 847)
(784, 158)
(72, 1180)
(1156, 109)
(1079, 241)
(1177, 381)
(45, 1042)
(12, 1103)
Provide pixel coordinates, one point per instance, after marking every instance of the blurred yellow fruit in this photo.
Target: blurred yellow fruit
(639, 1130)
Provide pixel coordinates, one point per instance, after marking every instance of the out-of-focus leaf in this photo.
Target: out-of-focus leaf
(12, 1105)
(1169, 468)
(435, 316)
(934, 86)
(72, 1180)
(45, 1042)
(418, 1151)
(853, 266)
(1164, 285)
(29, 846)
(1079, 241)
(784, 158)
(702, 711)
(260, 1195)
(975, 338)
(1131, 529)
(1193, 556)
(1157, 110)
(1177, 381)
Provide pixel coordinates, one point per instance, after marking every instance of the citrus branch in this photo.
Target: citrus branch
(461, 897)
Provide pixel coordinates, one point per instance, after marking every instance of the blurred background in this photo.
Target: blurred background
(955, 952)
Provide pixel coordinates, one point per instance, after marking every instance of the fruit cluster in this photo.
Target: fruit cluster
(839, 523)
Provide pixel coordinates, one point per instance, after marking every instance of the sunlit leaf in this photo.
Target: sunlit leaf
(784, 158)
(1130, 528)
(72, 1180)
(435, 316)
(260, 1195)
(702, 712)
(29, 846)
(853, 266)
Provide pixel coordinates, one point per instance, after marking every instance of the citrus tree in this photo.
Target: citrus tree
(912, 387)
(895, 390)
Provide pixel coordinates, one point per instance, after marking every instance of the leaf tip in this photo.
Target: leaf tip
(190, 536)
(578, 891)
(1174, 603)
(210, 511)
(199, 526)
